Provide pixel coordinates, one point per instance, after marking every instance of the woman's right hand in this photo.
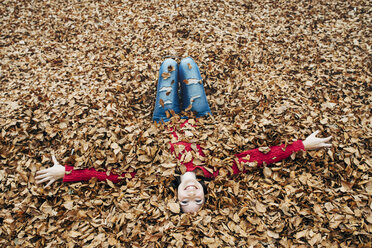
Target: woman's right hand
(314, 143)
(51, 174)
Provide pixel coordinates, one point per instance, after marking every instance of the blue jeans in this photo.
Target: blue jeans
(192, 95)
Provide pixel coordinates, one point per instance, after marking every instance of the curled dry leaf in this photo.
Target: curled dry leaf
(165, 75)
(188, 108)
(260, 207)
(168, 165)
(264, 150)
(273, 234)
(174, 207)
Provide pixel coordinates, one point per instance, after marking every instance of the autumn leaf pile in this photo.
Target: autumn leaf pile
(81, 76)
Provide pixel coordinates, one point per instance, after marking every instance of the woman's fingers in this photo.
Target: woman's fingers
(44, 180)
(41, 176)
(325, 140)
(50, 182)
(314, 134)
(42, 171)
(54, 160)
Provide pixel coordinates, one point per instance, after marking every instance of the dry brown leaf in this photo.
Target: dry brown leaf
(165, 75)
(264, 150)
(174, 207)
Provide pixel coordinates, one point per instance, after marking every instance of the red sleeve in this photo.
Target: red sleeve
(272, 155)
(72, 175)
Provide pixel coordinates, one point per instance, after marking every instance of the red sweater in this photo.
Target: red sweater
(255, 157)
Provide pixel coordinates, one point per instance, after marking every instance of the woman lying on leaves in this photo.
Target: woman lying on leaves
(190, 190)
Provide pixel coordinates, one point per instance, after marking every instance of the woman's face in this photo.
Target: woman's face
(190, 195)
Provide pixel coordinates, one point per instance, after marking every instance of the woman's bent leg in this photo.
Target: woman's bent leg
(167, 91)
(192, 90)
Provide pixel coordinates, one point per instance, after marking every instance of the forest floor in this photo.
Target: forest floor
(81, 76)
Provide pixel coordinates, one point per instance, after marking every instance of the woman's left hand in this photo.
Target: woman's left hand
(314, 143)
(51, 174)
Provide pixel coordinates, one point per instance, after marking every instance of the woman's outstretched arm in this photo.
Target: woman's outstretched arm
(69, 174)
(264, 156)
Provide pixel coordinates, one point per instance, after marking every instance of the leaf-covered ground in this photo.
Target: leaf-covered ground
(81, 75)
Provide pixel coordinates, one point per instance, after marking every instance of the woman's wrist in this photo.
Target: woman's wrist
(60, 172)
